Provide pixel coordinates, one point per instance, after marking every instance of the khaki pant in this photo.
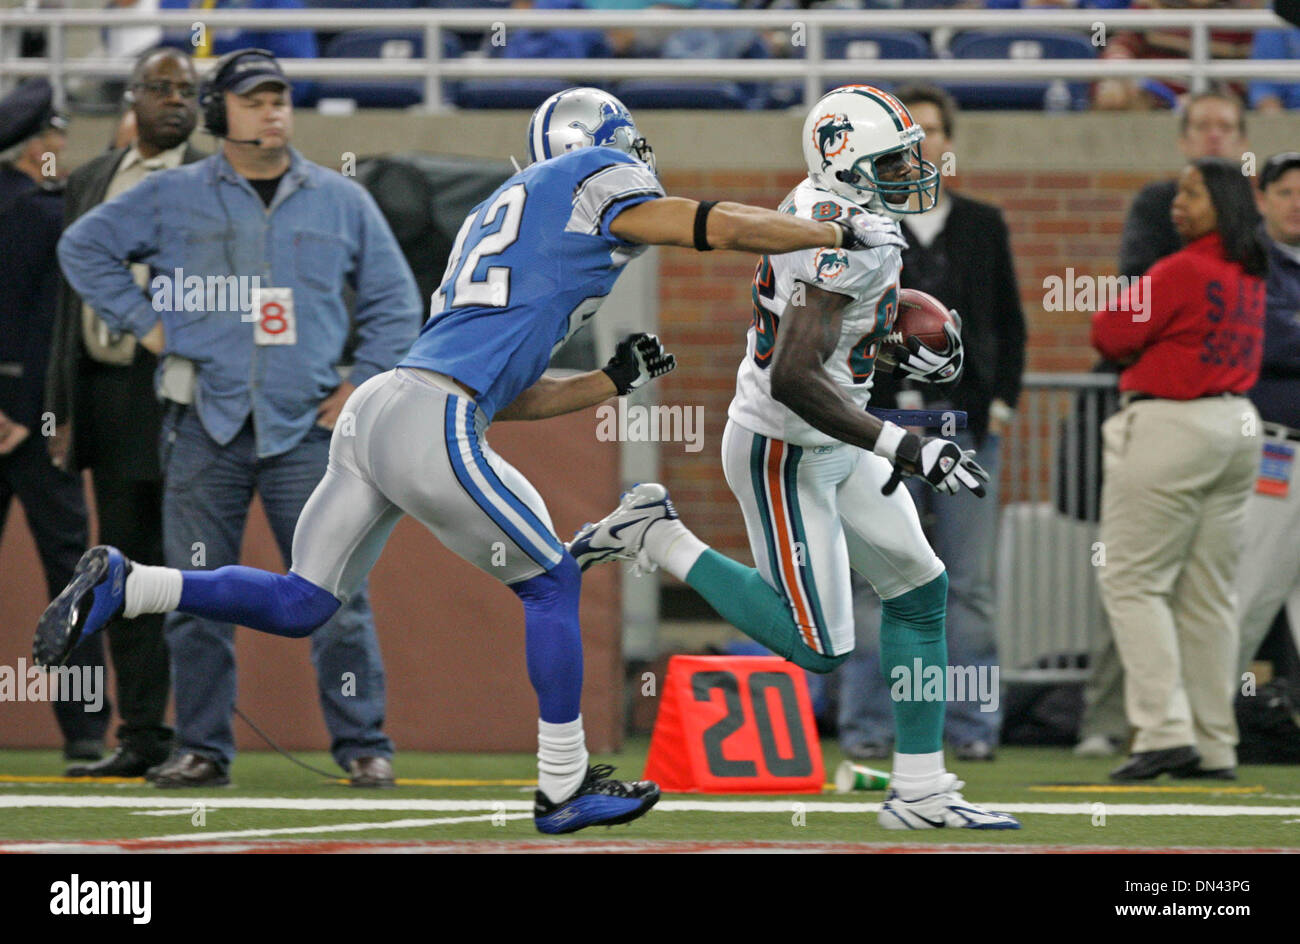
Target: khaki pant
(1270, 564)
(1176, 478)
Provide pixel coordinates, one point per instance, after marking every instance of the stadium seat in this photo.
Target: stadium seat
(506, 93)
(879, 44)
(661, 93)
(382, 44)
(1018, 44)
(362, 4)
(687, 93)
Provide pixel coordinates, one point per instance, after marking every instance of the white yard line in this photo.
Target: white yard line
(701, 805)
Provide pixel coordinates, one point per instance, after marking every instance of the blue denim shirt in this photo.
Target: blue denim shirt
(320, 232)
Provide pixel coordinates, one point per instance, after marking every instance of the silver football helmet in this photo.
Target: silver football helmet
(585, 117)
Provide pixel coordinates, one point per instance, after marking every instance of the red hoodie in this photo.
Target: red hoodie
(1194, 323)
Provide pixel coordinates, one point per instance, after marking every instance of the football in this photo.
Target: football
(920, 316)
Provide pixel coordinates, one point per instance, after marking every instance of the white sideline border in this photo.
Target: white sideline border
(211, 803)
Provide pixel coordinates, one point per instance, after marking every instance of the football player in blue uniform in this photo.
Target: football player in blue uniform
(529, 267)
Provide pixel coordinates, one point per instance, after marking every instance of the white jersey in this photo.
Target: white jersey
(868, 276)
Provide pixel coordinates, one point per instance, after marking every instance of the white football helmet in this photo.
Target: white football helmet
(848, 130)
(585, 117)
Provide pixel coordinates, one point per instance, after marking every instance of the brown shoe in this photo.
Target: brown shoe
(189, 770)
(371, 772)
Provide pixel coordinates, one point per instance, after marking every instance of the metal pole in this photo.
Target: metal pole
(54, 38)
(816, 58)
(1200, 56)
(433, 57)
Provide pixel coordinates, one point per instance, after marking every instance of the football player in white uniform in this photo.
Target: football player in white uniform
(815, 473)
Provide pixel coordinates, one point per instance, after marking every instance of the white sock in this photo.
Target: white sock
(151, 590)
(670, 545)
(561, 758)
(915, 774)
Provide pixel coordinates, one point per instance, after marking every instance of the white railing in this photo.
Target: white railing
(807, 28)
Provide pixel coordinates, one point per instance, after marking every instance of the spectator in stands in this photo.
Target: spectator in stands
(1275, 96)
(1180, 460)
(1119, 94)
(959, 252)
(101, 393)
(556, 43)
(1270, 565)
(283, 43)
(31, 213)
(257, 409)
(1212, 124)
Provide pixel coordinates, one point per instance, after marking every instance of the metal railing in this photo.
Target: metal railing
(813, 68)
(1048, 605)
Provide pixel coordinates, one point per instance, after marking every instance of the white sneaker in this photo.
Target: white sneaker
(1095, 745)
(944, 807)
(621, 533)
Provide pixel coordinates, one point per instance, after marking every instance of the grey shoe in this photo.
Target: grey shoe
(975, 750)
(868, 750)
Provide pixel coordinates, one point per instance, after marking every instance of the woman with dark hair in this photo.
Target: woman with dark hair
(1179, 461)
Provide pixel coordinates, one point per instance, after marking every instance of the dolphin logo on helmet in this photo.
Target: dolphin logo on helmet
(854, 138)
(830, 129)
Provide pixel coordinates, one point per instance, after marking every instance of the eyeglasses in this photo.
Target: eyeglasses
(163, 89)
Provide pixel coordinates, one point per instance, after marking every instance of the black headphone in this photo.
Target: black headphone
(212, 99)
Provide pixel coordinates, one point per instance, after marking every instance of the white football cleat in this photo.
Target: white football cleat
(945, 807)
(621, 533)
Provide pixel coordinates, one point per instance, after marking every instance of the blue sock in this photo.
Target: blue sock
(282, 604)
(554, 639)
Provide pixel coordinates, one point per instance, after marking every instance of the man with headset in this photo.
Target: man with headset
(252, 247)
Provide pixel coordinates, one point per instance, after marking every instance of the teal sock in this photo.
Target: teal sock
(912, 634)
(745, 600)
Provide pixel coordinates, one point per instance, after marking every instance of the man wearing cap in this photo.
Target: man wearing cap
(1270, 563)
(101, 393)
(31, 211)
(252, 248)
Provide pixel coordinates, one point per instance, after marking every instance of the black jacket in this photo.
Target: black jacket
(969, 268)
(1149, 233)
(29, 230)
(121, 425)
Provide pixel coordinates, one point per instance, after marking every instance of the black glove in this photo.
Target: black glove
(637, 359)
(942, 463)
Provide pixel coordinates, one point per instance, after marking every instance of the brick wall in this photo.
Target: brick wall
(1056, 220)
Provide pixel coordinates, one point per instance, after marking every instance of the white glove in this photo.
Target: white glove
(941, 462)
(948, 467)
(929, 366)
(869, 231)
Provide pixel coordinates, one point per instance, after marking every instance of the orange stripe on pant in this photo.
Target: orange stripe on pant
(784, 542)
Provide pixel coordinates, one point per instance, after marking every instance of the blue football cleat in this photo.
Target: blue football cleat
(91, 600)
(600, 801)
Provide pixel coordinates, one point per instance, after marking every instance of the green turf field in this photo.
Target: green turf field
(1061, 800)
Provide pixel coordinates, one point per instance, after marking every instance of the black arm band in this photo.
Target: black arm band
(702, 225)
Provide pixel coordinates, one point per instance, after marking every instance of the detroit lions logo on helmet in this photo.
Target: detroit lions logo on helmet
(613, 120)
(832, 136)
(830, 263)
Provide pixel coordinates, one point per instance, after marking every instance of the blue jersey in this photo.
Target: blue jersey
(529, 267)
